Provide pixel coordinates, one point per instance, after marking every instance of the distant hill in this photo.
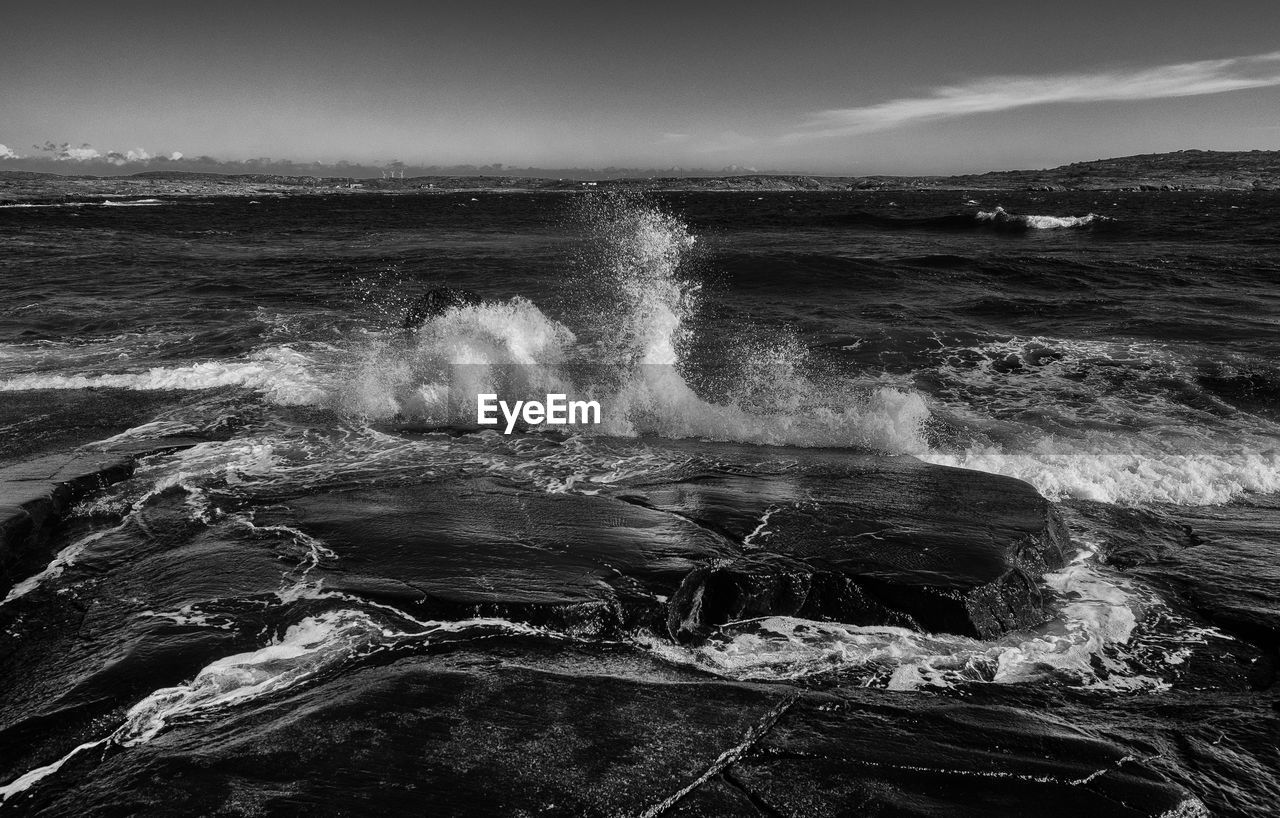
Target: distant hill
(1191, 169)
(1181, 170)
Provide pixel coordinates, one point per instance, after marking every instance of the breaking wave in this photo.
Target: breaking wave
(1107, 473)
(282, 374)
(1113, 422)
(1076, 419)
(997, 219)
(626, 350)
(102, 203)
(1001, 218)
(629, 354)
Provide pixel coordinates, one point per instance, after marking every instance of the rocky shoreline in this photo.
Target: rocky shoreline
(880, 541)
(540, 724)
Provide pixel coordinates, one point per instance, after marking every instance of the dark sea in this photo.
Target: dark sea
(321, 587)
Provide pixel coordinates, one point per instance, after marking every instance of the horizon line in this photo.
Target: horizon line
(400, 170)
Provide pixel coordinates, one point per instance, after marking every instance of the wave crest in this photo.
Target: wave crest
(1001, 218)
(628, 352)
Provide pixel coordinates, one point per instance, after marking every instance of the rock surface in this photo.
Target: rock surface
(437, 302)
(36, 492)
(586, 564)
(869, 541)
(865, 540)
(515, 731)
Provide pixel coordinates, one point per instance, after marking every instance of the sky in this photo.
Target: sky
(821, 87)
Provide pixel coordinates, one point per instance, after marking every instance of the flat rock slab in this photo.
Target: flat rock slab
(588, 564)
(36, 492)
(868, 541)
(864, 540)
(837, 755)
(479, 734)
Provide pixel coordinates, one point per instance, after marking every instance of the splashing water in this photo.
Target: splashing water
(627, 350)
(1048, 411)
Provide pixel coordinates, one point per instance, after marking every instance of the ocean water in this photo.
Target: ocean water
(1120, 352)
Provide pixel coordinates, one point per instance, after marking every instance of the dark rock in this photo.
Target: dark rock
(770, 585)
(1231, 579)
(720, 795)
(1136, 536)
(507, 732)
(457, 734)
(866, 540)
(877, 541)
(437, 302)
(840, 755)
(36, 493)
(585, 564)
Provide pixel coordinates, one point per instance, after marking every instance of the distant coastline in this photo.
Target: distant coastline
(1181, 170)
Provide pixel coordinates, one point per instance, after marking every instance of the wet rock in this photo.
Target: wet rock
(34, 495)
(835, 755)
(865, 540)
(770, 585)
(1231, 580)
(514, 732)
(877, 541)
(459, 734)
(37, 492)
(437, 302)
(585, 564)
(1136, 536)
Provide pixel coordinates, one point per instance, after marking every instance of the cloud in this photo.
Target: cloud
(65, 153)
(87, 153)
(7, 153)
(992, 94)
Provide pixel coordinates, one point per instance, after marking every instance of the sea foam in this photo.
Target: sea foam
(1109, 421)
(1095, 641)
(1000, 216)
(1128, 472)
(281, 373)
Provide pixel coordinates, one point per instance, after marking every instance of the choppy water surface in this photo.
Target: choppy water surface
(1117, 351)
